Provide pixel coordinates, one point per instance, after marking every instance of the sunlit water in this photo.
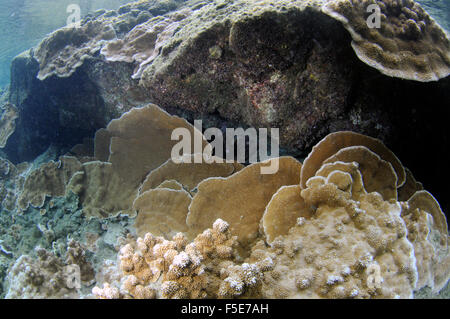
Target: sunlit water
(23, 23)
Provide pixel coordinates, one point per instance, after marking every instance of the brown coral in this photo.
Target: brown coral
(408, 43)
(333, 253)
(190, 172)
(410, 187)
(241, 198)
(424, 220)
(330, 239)
(49, 179)
(64, 50)
(283, 212)
(135, 144)
(334, 142)
(205, 268)
(162, 212)
(378, 175)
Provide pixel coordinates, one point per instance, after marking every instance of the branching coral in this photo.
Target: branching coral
(45, 277)
(155, 267)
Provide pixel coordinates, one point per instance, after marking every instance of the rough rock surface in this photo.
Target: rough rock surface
(231, 63)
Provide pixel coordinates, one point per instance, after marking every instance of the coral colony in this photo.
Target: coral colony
(155, 195)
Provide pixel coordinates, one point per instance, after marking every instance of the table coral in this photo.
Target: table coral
(408, 43)
(190, 172)
(241, 198)
(162, 212)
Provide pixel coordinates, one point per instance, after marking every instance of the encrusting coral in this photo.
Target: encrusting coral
(408, 43)
(12, 179)
(427, 230)
(48, 276)
(332, 254)
(144, 42)
(63, 51)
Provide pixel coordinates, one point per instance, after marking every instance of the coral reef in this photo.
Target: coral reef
(332, 238)
(162, 212)
(109, 188)
(407, 43)
(241, 198)
(108, 211)
(155, 267)
(259, 64)
(7, 122)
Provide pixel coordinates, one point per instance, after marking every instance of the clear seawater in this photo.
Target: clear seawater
(23, 23)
